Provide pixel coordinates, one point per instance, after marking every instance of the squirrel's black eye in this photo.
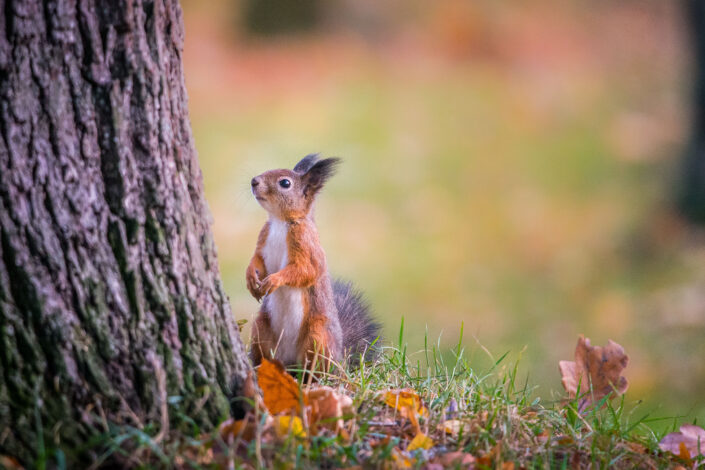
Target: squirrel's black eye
(285, 183)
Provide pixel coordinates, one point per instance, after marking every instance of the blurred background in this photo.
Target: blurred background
(509, 166)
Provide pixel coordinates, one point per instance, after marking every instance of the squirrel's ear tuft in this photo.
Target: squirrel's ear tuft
(318, 174)
(306, 163)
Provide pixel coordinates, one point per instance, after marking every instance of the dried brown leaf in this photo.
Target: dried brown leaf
(596, 370)
(687, 443)
(461, 460)
(327, 407)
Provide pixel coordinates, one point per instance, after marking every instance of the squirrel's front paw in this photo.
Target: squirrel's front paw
(253, 283)
(270, 283)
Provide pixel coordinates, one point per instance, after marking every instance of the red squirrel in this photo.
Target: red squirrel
(305, 317)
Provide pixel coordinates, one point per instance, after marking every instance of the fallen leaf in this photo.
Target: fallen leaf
(452, 426)
(687, 443)
(485, 461)
(280, 391)
(289, 425)
(595, 369)
(434, 466)
(402, 461)
(637, 448)
(420, 441)
(405, 400)
(232, 428)
(379, 442)
(461, 460)
(508, 466)
(408, 403)
(327, 407)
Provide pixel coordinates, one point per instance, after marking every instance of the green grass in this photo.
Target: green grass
(504, 421)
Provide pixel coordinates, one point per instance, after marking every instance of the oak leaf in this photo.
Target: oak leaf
(280, 391)
(596, 370)
(687, 443)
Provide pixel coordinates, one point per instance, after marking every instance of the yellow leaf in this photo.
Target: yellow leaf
(420, 441)
(405, 401)
(286, 425)
(408, 403)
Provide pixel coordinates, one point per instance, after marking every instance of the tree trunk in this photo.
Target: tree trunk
(691, 187)
(110, 294)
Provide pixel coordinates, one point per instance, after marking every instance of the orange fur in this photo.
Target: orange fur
(314, 344)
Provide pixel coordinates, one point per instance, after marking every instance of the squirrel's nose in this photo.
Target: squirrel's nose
(254, 182)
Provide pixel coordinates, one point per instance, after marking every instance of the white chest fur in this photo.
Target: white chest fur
(285, 305)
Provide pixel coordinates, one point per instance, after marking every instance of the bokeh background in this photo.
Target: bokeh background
(509, 166)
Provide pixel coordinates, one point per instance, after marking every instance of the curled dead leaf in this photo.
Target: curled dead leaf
(686, 443)
(327, 407)
(280, 391)
(596, 370)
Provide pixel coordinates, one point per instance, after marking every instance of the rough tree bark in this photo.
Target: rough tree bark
(110, 295)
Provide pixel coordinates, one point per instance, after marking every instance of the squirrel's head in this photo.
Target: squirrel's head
(289, 194)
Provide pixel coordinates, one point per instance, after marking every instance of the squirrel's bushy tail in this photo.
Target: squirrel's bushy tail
(360, 330)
